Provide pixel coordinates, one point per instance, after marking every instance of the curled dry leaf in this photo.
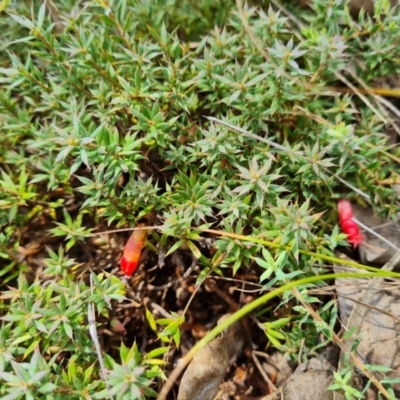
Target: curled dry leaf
(309, 382)
(206, 371)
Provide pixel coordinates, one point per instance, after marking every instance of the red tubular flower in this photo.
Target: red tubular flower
(133, 249)
(349, 227)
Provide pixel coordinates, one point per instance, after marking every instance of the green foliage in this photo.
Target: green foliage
(128, 380)
(171, 330)
(44, 322)
(103, 123)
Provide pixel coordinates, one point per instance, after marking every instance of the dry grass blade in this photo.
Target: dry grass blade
(253, 136)
(381, 102)
(389, 92)
(388, 242)
(93, 334)
(287, 150)
(265, 376)
(55, 16)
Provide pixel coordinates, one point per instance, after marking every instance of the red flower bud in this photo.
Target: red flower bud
(133, 248)
(349, 227)
(117, 327)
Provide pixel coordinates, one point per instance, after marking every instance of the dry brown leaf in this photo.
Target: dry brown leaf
(310, 382)
(375, 315)
(206, 371)
(277, 368)
(374, 250)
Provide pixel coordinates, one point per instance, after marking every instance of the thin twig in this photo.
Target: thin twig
(372, 307)
(388, 242)
(175, 281)
(380, 101)
(160, 310)
(271, 386)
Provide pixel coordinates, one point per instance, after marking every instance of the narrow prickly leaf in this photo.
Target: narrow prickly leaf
(133, 249)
